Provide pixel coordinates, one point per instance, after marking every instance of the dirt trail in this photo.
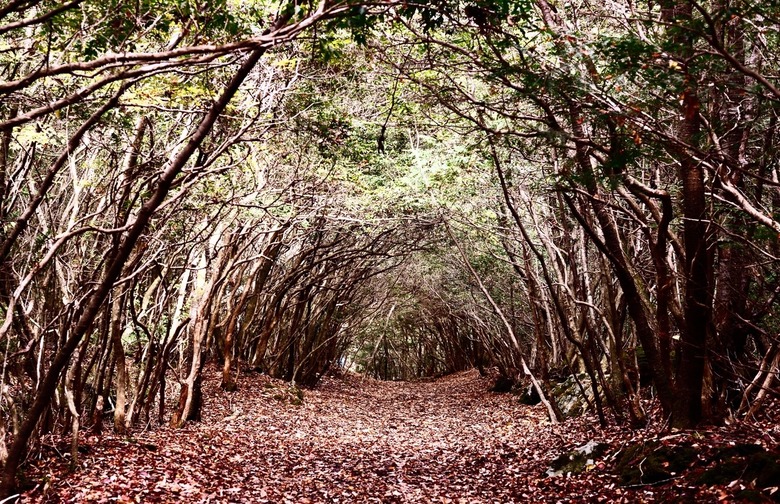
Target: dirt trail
(351, 440)
(360, 441)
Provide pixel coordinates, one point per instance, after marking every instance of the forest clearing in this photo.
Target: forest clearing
(355, 439)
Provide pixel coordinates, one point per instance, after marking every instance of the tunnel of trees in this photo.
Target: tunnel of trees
(395, 188)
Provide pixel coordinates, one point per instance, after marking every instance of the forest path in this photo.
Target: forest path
(351, 440)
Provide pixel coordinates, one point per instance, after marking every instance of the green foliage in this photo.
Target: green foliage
(92, 28)
(358, 22)
(431, 13)
(625, 54)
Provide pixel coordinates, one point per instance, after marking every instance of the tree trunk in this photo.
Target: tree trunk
(697, 310)
(101, 291)
(120, 364)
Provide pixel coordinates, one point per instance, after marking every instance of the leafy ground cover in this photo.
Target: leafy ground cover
(445, 441)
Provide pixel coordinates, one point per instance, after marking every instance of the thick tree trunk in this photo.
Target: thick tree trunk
(697, 310)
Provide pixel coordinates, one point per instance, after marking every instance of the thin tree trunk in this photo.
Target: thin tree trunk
(113, 272)
(552, 409)
(120, 364)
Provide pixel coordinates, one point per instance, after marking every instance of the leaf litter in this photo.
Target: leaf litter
(354, 439)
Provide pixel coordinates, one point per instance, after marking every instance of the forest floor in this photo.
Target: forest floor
(356, 440)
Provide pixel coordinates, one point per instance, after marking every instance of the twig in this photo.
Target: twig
(654, 483)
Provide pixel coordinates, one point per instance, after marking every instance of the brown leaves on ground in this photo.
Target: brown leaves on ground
(358, 440)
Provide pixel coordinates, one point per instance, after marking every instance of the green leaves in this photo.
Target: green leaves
(359, 22)
(625, 53)
(95, 28)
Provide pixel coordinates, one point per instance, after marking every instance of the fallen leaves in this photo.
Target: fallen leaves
(358, 440)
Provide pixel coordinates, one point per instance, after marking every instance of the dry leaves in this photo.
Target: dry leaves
(354, 440)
